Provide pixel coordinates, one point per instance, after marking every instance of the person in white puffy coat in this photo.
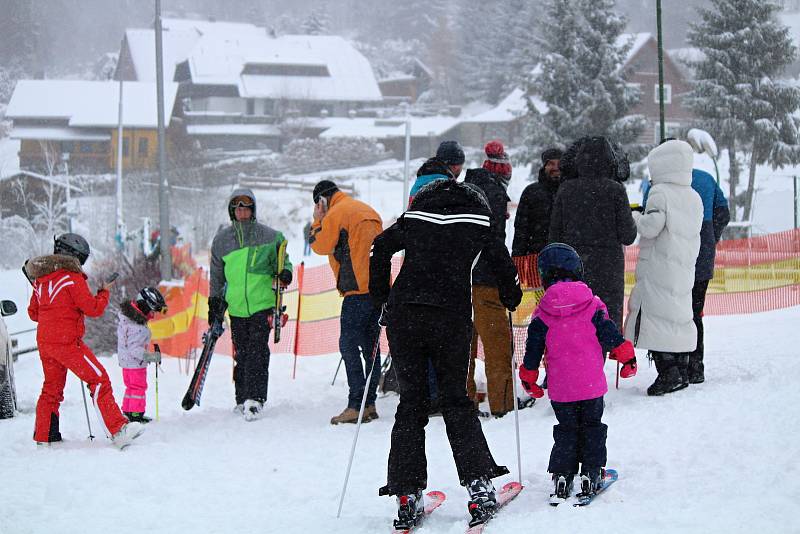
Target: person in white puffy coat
(660, 307)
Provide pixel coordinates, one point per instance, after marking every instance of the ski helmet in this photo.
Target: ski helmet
(150, 299)
(72, 245)
(559, 261)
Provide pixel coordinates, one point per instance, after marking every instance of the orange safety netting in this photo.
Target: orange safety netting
(751, 275)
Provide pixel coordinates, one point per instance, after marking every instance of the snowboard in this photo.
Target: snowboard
(433, 499)
(192, 396)
(504, 496)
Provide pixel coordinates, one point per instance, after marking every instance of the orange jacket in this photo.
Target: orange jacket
(345, 235)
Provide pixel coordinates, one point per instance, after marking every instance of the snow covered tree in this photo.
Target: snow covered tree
(744, 48)
(579, 76)
(317, 23)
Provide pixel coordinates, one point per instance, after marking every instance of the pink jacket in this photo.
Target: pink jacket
(573, 325)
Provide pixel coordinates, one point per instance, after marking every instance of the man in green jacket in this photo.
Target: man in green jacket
(244, 266)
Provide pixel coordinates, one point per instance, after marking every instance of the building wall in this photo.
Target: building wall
(643, 73)
(223, 104)
(46, 157)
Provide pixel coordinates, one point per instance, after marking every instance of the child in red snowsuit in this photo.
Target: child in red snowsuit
(60, 299)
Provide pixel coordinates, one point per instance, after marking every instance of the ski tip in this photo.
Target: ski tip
(512, 486)
(436, 495)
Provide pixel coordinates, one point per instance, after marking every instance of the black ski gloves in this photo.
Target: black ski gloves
(285, 276)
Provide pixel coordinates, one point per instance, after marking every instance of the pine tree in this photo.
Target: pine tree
(735, 94)
(579, 76)
(317, 22)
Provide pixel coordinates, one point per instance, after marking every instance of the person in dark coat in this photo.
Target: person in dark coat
(592, 214)
(716, 217)
(532, 222)
(489, 318)
(429, 316)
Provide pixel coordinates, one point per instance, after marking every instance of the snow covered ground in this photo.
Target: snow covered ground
(718, 457)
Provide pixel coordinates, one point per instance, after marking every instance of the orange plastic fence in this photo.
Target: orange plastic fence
(752, 275)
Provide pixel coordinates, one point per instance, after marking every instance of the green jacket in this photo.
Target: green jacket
(244, 264)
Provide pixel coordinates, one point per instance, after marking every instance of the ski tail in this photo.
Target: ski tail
(195, 390)
(277, 315)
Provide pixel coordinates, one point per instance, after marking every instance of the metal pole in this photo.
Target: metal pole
(406, 164)
(86, 410)
(795, 201)
(341, 359)
(165, 257)
(663, 129)
(516, 402)
(358, 423)
(65, 156)
(120, 230)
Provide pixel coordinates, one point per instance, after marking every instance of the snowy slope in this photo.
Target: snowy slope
(718, 457)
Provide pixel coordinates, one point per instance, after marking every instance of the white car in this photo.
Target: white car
(8, 395)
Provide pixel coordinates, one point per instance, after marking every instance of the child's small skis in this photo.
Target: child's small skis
(433, 499)
(609, 477)
(504, 496)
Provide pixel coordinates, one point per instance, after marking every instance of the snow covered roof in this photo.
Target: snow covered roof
(388, 127)
(638, 39)
(233, 129)
(55, 180)
(90, 103)
(510, 108)
(300, 67)
(56, 133)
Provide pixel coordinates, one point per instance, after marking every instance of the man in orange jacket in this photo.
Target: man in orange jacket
(343, 229)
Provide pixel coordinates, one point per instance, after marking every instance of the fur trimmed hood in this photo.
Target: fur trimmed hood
(44, 265)
(127, 309)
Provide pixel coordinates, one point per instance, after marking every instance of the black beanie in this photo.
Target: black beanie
(324, 188)
(450, 152)
(551, 153)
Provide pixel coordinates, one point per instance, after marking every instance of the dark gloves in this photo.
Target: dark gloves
(216, 310)
(285, 277)
(512, 300)
(637, 207)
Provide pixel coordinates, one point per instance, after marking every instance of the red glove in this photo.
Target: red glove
(284, 320)
(528, 379)
(625, 355)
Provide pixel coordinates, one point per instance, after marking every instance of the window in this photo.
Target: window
(276, 69)
(251, 106)
(671, 129)
(143, 147)
(667, 93)
(125, 143)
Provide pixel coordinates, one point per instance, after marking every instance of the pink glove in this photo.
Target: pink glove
(528, 379)
(625, 355)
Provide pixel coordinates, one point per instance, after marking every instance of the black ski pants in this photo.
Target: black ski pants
(698, 303)
(251, 355)
(417, 334)
(579, 436)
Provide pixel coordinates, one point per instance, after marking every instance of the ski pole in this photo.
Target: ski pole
(617, 378)
(514, 383)
(86, 410)
(158, 364)
(360, 415)
(337, 370)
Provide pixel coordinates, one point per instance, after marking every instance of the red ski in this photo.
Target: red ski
(433, 500)
(504, 496)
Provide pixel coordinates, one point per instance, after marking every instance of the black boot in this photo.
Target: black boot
(669, 375)
(696, 368)
(591, 477)
(410, 511)
(683, 367)
(137, 417)
(562, 488)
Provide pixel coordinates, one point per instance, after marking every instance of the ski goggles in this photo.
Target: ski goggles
(242, 202)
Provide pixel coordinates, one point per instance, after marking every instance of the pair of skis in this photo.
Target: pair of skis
(434, 499)
(585, 499)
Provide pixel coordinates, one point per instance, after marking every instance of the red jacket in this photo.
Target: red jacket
(61, 298)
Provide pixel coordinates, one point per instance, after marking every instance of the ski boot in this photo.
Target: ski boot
(591, 479)
(562, 488)
(410, 511)
(127, 434)
(137, 417)
(482, 502)
(252, 409)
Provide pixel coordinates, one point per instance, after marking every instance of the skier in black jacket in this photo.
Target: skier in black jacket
(532, 222)
(429, 312)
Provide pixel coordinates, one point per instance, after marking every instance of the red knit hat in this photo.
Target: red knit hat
(496, 159)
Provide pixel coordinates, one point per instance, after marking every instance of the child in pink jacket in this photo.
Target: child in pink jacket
(572, 324)
(133, 338)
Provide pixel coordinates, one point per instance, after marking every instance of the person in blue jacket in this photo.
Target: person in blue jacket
(716, 217)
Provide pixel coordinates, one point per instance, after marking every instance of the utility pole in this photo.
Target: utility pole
(165, 256)
(663, 128)
(120, 237)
